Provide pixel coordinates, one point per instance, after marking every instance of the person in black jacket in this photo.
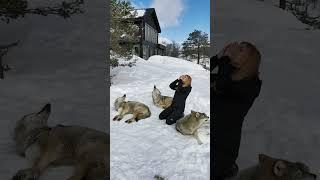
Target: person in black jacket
(233, 90)
(175, 111)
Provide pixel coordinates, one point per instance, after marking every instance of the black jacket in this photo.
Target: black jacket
(230, 102)
(180, 95)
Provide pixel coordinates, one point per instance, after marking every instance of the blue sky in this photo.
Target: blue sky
(178, 18)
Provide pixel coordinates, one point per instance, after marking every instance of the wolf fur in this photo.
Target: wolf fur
(158, 177)
(87, 149)
(139, 110)
(270, 168)
(190, 124)
(159, 100)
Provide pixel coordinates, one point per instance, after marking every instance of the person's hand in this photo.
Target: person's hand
(222, 52)
(232, 51)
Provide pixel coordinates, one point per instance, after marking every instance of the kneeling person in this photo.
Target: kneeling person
(175, 111)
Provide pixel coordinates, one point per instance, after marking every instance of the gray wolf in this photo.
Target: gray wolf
(159, 100)
(87, 149)
(139, 110)
(190, 124)
(270, 168)
(175, 111)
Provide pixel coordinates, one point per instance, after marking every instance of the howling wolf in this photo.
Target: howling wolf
(159, 100)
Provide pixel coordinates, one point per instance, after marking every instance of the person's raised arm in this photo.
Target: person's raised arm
(175, 84)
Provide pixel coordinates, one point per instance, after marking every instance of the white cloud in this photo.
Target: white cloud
(137, 5)
(164, 41)
(168, 11)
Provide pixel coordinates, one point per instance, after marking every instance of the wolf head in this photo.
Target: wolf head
(156, 92)
(119, 101)
(200, 117)
(278, 169)
(33, 120)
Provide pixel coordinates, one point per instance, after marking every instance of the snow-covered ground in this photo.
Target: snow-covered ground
(141, 150)
(284, 121)
(58, 61)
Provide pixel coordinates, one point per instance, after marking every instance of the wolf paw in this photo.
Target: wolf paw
(117, 118)
(130, 121)
(26, 174)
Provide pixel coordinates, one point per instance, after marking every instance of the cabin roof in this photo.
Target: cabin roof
(142, 13)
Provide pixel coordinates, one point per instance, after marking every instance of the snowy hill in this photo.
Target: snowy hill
(284, 121)
(141, 150)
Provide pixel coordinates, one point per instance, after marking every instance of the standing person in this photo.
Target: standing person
(233, 91)
(175, 111)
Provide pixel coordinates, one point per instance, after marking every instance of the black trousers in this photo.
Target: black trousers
(226, 144)
(171, 114)
(228, 117)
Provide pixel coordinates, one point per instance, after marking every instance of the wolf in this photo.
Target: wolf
(190, 124)
(139, 110)
(87, 149)
(159, 100)
(270, 168)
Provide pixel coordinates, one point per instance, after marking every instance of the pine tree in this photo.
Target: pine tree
(123, 31)
(196, 44)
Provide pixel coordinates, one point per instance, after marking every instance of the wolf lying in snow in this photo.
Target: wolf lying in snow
(87, 149)
(139, 110)
(270, 168)
(159, 100)
(190, 124)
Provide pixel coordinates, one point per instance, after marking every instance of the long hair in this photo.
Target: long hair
(188, 82)
(249, 68)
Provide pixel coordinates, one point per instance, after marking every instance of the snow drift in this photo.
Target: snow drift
(141, 150)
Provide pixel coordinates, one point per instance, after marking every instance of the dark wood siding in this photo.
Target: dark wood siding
(149, 18)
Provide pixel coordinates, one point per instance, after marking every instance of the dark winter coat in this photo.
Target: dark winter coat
(180, 95)
(176, 110)
(230, 103)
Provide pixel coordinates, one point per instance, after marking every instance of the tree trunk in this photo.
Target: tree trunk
(1, 69)
(198, 54)
(282, 4)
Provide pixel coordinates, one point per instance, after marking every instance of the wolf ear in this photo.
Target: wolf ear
(192, 112)
(280, 168)
(46, 108)
(124, 96)
(154, 87)
(197, 114)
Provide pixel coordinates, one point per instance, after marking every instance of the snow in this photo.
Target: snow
(284, 121)
(164, 41)
(57, 61)
(140, 12)
(141, 150)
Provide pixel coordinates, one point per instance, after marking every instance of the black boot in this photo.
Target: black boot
(233, 171)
